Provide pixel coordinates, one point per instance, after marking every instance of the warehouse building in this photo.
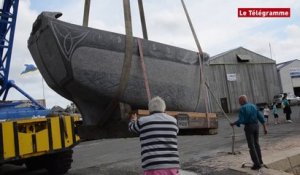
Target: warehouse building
(289, 74)
(241, 71)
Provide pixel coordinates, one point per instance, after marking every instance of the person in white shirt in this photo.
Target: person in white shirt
(266, 113)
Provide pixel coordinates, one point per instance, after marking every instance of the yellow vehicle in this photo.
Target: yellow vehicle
(45, 142)
(30, 134)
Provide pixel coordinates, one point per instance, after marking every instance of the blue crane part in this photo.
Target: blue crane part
(8, 18)
(30, 133)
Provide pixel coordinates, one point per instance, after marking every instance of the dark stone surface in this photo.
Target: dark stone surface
(84, 65)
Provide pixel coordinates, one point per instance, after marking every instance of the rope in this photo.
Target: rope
(220, 106)
(202, 73)
(192, 28)
(144, 69)
(200, 55)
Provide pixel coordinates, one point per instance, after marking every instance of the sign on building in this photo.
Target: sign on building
(231, 77)
(295, 72)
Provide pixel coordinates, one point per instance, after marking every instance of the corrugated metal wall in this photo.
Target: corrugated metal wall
(258, 79)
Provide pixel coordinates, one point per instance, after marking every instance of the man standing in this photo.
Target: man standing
(249, 116)
(286, 108)
(158, 138)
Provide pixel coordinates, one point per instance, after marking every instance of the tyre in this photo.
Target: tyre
(59, 163)
(55, 163)
(35, 163)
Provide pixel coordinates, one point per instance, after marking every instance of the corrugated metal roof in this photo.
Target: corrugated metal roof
(283, 64)
(220, 56)
(223, 53)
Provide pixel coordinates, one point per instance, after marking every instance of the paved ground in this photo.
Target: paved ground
(199, 154)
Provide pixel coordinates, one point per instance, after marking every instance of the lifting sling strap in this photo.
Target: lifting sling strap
(126, 65)
(143, 21)
(144, 69)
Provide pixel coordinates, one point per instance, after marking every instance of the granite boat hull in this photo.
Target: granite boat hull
(84, 65)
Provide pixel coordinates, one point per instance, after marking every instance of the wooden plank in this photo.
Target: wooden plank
(190, 120)
(141, 112)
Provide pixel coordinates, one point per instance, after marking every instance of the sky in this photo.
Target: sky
(216, 23)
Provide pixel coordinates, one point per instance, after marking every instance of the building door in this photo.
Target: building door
(297, 91)
(224, 105)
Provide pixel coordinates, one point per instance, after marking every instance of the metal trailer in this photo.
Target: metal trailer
(31, 134)
(191, 122)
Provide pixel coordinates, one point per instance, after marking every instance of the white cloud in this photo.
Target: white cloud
(284, 44)
(293, 31)
(290, 46)
(31, 83)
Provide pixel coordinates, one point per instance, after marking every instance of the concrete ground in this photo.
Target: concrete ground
(198, 154)
(280, 150)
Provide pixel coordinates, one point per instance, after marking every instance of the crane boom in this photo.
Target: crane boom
(8, 18)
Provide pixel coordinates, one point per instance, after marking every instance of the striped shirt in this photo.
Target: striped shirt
(158, 137)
